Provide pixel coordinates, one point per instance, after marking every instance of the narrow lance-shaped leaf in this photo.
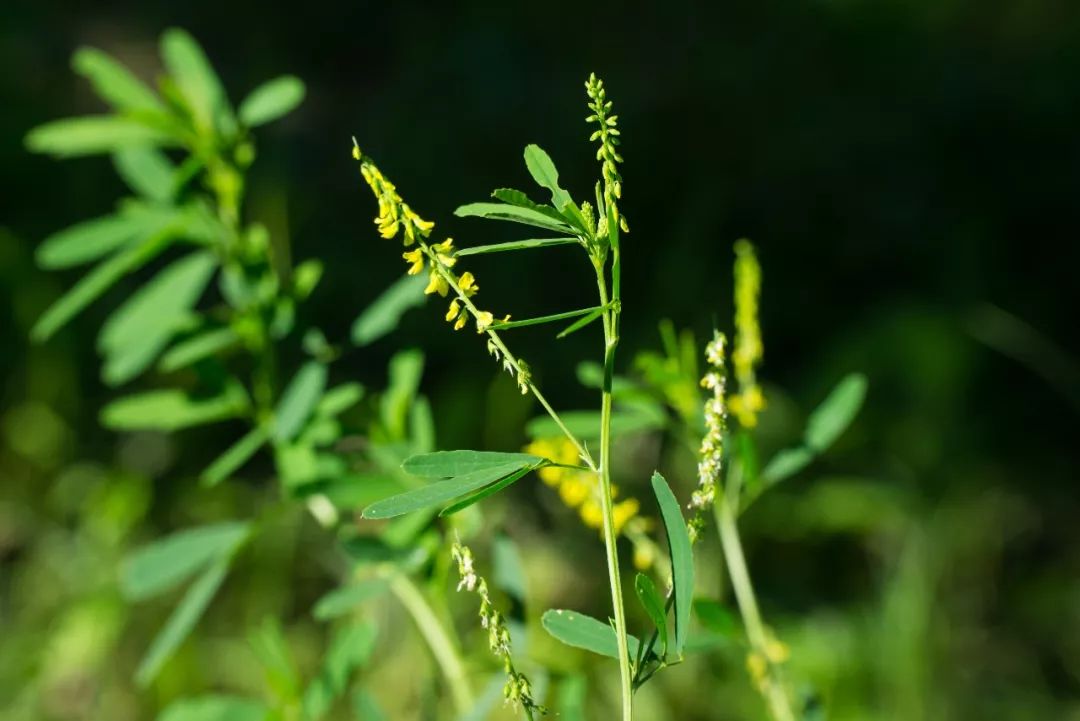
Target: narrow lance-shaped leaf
(436, 493)
(114, 83)
(350, 648)
(582, 631)
(196, 79)
(172, 409)
(653, 603)
(299, 400)
(147, 171)
(236, 456)
(682, 559)
(517, 245)
(271, 100)
(93, 135)
(87, 241)
(215, 708)
(520, 199)
(198, 347)
(342, 600)
(446, 464)
(385, 312)
(485, 492)
(166, 563)
(499, 211)
(836, 412)
(184, 617)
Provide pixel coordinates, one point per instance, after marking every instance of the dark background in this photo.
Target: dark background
(907, 170)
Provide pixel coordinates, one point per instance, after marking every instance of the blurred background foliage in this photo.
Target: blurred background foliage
(908, 171)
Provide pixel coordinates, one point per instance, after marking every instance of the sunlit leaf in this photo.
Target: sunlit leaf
(830, 419)
(198, 83)
(87, 241)
(581, 631)
(437, 493)
(463, 503)
(785, 464)
(500, 211)
(93, 135)
(517, 245)
(114, 83)
(147, 171)
(509, 571)
(198, 347)
(271, 100)
(682, 558)
(546, 176)
(406, 368)
(446, 464)
(339, 399)
(385, 312)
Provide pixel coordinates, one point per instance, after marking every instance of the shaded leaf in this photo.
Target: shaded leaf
(785, 464)
(581, 631)
(272, 650)
(406, 368)
(716, 617)
(349, 649)
(87, 241)
(236, 456)
(271, 100)
(365, 707)
(586, 424)
(163, 565)
(215, 708)
(385, 312)
(197, 347)
(299, 400)
(184, 617)
(682, 558)
(342, 600)
(171, 410)
(836, 412)
(653, 603)
(147, 171)
(339, 399)
(509, 570)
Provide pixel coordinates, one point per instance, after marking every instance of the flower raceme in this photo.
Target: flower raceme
(748, 350)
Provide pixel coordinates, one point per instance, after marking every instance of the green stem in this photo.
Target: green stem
(442, 647)
(779, 707)
(611, 341)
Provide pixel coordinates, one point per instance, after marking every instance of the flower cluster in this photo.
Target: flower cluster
(748, 349)
(517, 690)
(395, 216)
(760, 663)
(712, 444)
(608, 135)
(579, 488)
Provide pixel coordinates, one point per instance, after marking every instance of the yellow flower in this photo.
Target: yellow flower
(643, 556)
(592, 514)
(436, 284)
(444, 252)
(484, 319)
(388, 227)
(462, 319)
(758, 668)
(573, 489)
(455, 309)
(623, 512)
(748, 350)
(416, 258)
(468, 285)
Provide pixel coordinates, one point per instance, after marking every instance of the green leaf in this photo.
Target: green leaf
(581, 323)
(299, 400)
(581, 631)
(342, 600)
(509, 570)
(350, 648)
(96, 282)
(236, 456)
(215, 708)
(147, 171)
(785, 464)
(93, 135)
(184, 617)
(830, 419)
(571, 699)
(514, 214)
(87, 241)
(406, 368)
(365, 707)
(544, 173)
(196, 80)
(436, 493)
(271, 100)
(447, 464)
(114, 83)
(520, 199)
(484, 492)
(163, 565)
(516, 245)
(586, 424)
(653, 603)
(173, 409)
(272, 650)
(136, 332)
(682, 558)
(385, 312)
(339, 399)
(197, 347)
(716, 617)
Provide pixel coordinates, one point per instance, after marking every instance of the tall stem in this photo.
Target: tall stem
(442, 647)
(748, 608)
(611, 341)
